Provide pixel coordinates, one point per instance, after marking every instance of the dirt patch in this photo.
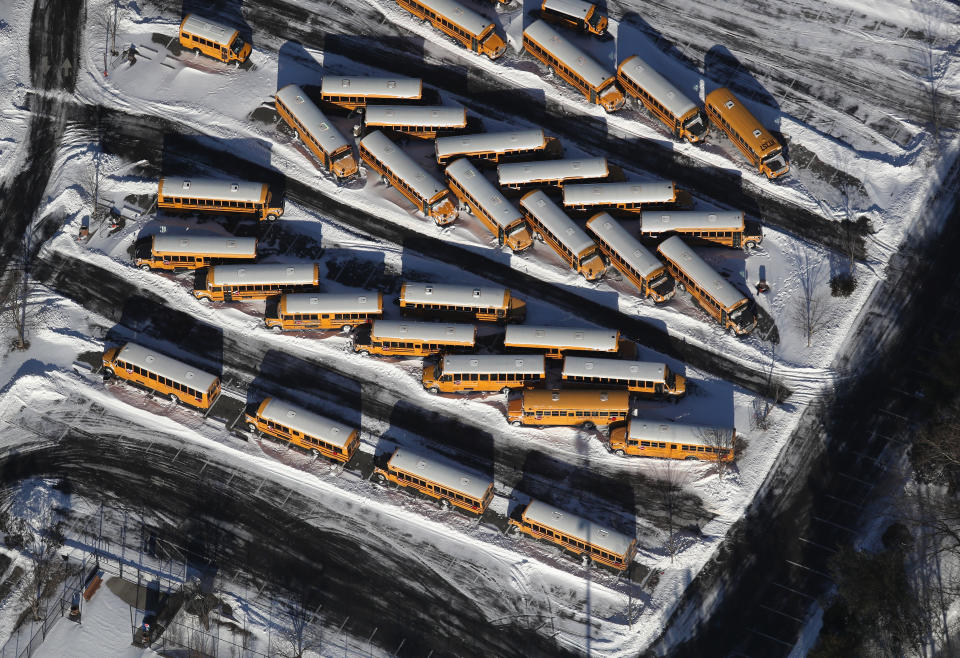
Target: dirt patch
(171, 43)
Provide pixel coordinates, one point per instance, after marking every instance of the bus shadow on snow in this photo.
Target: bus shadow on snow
(362, 269)
(297, 66)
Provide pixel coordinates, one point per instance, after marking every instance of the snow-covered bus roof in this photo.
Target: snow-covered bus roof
(680, 253)
(687, 220)
(208, 245)
(644, 76)
(310, 302)
(427, 332)
(312, 118)
(701, 435)
(520, 173)
(497, 142)
(494, 204)
(444, 474)
(575, 398)
(208, 29)
(347, 85)
(613, 235)
(213, 188)
(466, 18)
(166, 366)
(525, 364)
(307, 422)
(575, 526)
(572, 57)
(556, 221)
(441, 116)
(574, 8)
(402, 165)
(648, 371)
(603, 340)
(585, 194)
(265, 273)
(449, 294)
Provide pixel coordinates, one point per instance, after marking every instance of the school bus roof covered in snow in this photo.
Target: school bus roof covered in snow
(422, 183)
(427, 332)
(603, 340)
(556, 221)
(655, 221)
(208, 245)
(612, 233)
(570, 398)
(519, 173)
(494, 204)
(347, 85)
(577, 194)
(526, 364)
(575, 59)
(496, 142)
(697, 269)
(644, 76)
(212, 188)
(579, 366)
(305, 421)
(166, 366)
(447, 294)
(441, 116)
(575, 8)
(701, 435)
(207, 29)
(466, 18)
(312, 118)
(264, 273)
(309, 302)
(575, 526)
(446, 475)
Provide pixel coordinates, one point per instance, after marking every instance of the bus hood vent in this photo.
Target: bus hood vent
(711, 218)
(189, 374)
(428, 290)
(465, 481)
(450, 331)
(474, 362)
(346, 82)
(604, 396)
(603, 533)
(518, 363)
(555, 395)
(576, 164)
(637, 253)
(391, 84)
(362, 299)
(634, 368)
(539, 333)
(404, 329)
(608, 226)
(578, 335)
(757, 132)
(186, 185)
(334, 430)
(242, 272)
(588, 365)
(291, 413)
(299, 98)
(150, 358)
(557, 514)
(314, 300)
(665, 219)
(422, 465)
(234, 187)
(476, 292)
(290, 271)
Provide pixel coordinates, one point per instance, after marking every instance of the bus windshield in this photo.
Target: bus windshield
(519, 227)
(775, 161)
(237, 45)
(696, 125)
(743, 317)
(595, 18)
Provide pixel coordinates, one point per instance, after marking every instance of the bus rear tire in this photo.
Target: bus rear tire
(689, 457)
(196, 51)
(380, 478)
(587, 425)
(108, 373)
(433, 390)
(314, 453)
(505, 390)
(444, 504)
(277, 329)
(367, 353)
(272, 217)
(252, 428)
(346, 328)
(619, 452)
(173, 398)
(681, 287)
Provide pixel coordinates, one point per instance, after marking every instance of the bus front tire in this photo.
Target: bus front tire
(196, 51)
(444, 504)
(750, 245)
(277, 329)
(587, 425)
(108, 373)
(346, 328)
(252, 428)
(516, 423)
(145, 267)
(619, 452)
(433, 390)
(505, 390)
(681, 287)
(173, 398)
(380, 478)
(272, 217)
(367, 353)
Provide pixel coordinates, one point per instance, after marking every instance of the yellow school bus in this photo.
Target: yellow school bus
(450, 485)
(167, 376)
(487, 204)
(354, 92)
(576, 534)
(472, 373)
(388, 338)
(229, 283)
(307, 310)
(464, 25)
(313, 127)
(674, 108)
(587, 408)
(176, 252)
(563, 235)
(421, 121)
(219, 196)
(558, 341)
(202, 35)
(654, 438)
(756, 142)
(304, 429)
(649, 377)
(630, 258)
(482, 303)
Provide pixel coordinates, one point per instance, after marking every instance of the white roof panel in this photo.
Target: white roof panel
(315, 121)
(425, 331)
(457, 13)
(643, 75)
(519, 173)
(166, 366)
(648, 371)
(575, 8)
(401, 164)
(346, 85)
(442, 116)
(228, 247)
(204, 27)
(265, 273)
(630, 192)
(701, 435)
(307, 422)
(310, 302)
(454, 295)
(612, 234)
(574, 58)
(498, 142)
(565, 337)
(576, 526)
(526, 364)
(212, 188)
(556, 221)
(476, 185)
(656, 221)
(697, 269)
(444, 474)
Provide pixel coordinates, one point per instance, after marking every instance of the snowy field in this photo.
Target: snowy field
(856, 153)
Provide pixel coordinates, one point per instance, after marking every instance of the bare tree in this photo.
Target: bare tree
(40, 542)
(720, 442)
(810, 313)
(933, 63)
(302, 631)
(669, 487)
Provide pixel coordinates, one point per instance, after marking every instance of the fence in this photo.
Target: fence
(25, 640)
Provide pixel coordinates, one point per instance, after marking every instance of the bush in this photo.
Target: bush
(841, 285)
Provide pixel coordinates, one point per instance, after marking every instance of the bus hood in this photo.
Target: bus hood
(345, 167)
